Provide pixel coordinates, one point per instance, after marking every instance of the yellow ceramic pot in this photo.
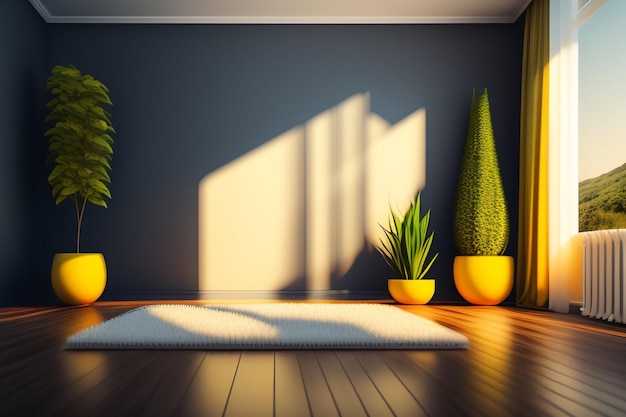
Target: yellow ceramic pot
(411, 291)
(484, 280)
(78, 278)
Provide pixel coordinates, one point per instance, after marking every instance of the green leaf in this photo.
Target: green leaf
(98, 140)
(99, 187)
(59, 199)
(56, 173)
(69, 190)
(97, 200)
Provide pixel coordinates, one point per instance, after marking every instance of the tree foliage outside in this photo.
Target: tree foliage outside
(602, 201)
(481, 220)
(80, 142)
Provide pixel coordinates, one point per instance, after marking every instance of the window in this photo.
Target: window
(602, 116)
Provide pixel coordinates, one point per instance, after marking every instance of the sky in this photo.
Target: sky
(602, 91)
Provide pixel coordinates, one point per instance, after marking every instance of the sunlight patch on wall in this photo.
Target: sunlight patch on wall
(396, 168)
(335, 188)
(250, 212)
(296, 212)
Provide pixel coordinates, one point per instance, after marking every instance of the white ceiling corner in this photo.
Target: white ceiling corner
(280, 11)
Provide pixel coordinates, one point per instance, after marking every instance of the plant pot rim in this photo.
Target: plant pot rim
(78, 253)
(410, 279)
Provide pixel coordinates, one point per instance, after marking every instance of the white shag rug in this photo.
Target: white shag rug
(268, 326)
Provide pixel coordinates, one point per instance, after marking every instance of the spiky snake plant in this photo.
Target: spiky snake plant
(80, 144)
(481, 222)
(406, 244)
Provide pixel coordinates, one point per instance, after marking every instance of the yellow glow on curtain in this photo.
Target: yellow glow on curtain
(533, 250)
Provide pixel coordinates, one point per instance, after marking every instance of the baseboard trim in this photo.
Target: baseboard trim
(244, 295)
(441, 297)
(575, 307)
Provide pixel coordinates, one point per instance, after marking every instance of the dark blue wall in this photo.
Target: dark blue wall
(24, 274)
(191, 98)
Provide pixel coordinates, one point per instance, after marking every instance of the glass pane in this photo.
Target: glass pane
(602, 119)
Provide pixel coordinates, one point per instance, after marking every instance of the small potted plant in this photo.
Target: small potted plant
(405, 249)
(80, 149)
(482, 274)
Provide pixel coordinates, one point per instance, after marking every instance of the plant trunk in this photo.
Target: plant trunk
(80, 211)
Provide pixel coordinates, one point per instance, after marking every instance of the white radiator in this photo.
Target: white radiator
(604, 266)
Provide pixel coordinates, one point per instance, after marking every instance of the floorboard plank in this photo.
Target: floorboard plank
(116, 390)
(369, 395)
(167, 398)
(346, 398)
(252, 394)
(318, 392)
(435, 400)
(290, 397)
(400, 400)
(211, 386)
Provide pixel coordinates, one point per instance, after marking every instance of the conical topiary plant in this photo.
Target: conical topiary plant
(80, 144)
(481, 221)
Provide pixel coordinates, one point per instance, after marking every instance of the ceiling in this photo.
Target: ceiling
(280, 11)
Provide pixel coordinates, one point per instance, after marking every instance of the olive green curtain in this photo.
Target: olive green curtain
(532, 258)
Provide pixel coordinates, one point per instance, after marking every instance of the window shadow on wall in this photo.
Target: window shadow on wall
(298, 212)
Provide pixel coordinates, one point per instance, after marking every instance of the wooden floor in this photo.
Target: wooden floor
(520, 363)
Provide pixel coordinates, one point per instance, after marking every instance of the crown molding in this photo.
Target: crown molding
(41, 9)
(275, 20)
(305, 20)
(520, 10)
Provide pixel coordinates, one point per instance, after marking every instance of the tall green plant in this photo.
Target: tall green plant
(481, 222)
(406, 245)
(80, 144)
